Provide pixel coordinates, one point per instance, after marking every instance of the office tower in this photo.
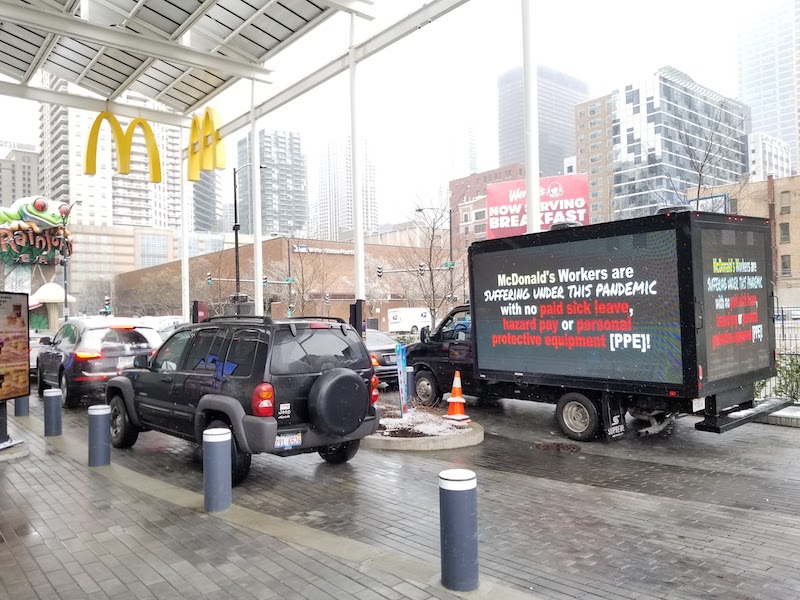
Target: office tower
(206, 204)
(19, 173)
(768, 156)
(332, 213)
(651, 143)
(558, 95)
(767, 80)
(284, 184)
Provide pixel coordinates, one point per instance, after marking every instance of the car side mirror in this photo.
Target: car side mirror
(45, 341)
(425, 334)
(141, 361)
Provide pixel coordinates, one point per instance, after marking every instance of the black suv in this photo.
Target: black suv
(284, 387)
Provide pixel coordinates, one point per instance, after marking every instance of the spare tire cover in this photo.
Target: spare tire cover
(338, 402)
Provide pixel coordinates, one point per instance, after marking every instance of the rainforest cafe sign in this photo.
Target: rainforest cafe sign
(206, 149)
(32, 231)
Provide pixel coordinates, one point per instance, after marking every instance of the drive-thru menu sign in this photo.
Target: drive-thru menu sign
(14, 366)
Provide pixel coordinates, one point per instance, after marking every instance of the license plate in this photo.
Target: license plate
(391, 359)
(124, 362)
(288, 440)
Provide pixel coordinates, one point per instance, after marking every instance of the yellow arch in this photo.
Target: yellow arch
(123, 141)
(206, 147)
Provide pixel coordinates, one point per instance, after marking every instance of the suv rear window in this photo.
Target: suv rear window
(315, 350)
(118, 338)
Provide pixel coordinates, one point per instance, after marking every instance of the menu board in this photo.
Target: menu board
(14, 365)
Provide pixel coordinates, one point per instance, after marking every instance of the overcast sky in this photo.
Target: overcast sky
(418, 99)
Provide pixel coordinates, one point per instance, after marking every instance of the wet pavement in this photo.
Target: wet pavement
(684, 514)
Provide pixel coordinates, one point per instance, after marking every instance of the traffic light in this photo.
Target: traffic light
(422, 268)
(265, 280)
(108, 303)
(208, 279)
(380, 271)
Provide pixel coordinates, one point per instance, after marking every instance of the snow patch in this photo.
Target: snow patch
(423, 422)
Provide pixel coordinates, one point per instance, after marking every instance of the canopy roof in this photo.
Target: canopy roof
(49, 292)
(179, 52)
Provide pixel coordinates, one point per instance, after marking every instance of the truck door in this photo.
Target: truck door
(455, 351)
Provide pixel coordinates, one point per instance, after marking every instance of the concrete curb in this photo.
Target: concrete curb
(469, 437)
(788, 417)
(14, 452)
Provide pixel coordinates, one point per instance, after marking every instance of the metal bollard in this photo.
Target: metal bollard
(410, 383)
(99, 435)
(52, 412)
(458, 514)
(217, 469)
(22, 406)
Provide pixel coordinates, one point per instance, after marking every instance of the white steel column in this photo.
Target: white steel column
(186, 309)
(255, 186)
(358, 220)
(531, 84)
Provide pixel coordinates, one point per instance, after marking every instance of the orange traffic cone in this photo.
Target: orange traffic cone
(455, 404)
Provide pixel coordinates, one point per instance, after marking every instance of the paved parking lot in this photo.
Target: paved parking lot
(681, 515)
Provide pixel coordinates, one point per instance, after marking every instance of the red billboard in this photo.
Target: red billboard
(562, 198)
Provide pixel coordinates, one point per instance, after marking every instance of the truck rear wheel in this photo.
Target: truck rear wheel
(577, 417)
(426, 389)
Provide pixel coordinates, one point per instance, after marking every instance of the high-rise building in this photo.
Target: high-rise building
(284, 184)
(19, 176)
(768, 156)
(332, 213)
(206, 203)
(767, 80)
(558, 94)
(108, 198)
(657, 140)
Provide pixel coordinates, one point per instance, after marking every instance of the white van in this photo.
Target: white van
(402, 320)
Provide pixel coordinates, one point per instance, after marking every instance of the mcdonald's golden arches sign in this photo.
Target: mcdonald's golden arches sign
(206, 146)
(123, 141)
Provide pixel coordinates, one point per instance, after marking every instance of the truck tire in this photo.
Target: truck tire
(426, 389)
(339, 453)
(240, 461)
(577, 417)
(123, 433)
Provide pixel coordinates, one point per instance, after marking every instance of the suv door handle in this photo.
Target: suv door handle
(166, 379)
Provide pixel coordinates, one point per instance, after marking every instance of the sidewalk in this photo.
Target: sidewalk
(70, 531)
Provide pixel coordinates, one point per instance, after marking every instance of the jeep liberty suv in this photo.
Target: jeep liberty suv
(284, 387)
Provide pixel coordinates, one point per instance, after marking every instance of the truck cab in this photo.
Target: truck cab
(439, 354)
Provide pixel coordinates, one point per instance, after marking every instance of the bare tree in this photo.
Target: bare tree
(424, 273)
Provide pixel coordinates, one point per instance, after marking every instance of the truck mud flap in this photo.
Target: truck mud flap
(727, 421)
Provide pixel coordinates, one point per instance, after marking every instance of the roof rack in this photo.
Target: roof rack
(315, 318)
(265, 319)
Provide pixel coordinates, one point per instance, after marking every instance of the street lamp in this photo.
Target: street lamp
(449, 212)
(236, 228)
(64, 218)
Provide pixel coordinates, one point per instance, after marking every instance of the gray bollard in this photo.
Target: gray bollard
(99, 435)
(458, 514)
(410, 383)
(52, 412)
(217, 469)
(22, 407)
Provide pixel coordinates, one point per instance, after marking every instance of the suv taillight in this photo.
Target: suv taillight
(373, 397)
(264, 400)
(374, 360)
(88, 354)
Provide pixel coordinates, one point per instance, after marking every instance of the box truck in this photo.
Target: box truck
(408, 319)
(652, 317)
